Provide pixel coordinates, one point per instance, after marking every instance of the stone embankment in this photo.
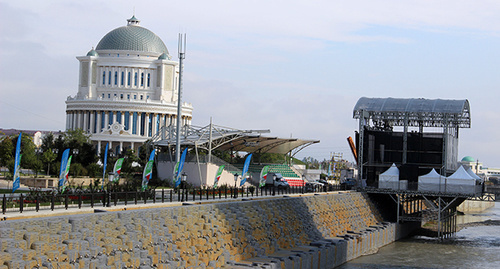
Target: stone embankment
(306, 231)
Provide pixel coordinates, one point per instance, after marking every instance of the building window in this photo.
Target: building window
(115, 94)
(149, 78)
(135, 79)
(134, 123)
(109, 95)
(142, 79)
(147, 97)
(109, 78)
(103, 125)
(128, 79)
(128, 96)
(103, 77)
(141, 97)
(121, 96)
(119, 117)
(103, 96)
(143, 120)
(135, 96)
(122, 79)
(118, 55)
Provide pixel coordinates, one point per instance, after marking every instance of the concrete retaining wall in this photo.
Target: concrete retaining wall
(316, 231)
(469, 206)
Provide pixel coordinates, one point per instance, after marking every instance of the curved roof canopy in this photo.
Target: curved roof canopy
(221, 138)
(416, 111)
(132, 37)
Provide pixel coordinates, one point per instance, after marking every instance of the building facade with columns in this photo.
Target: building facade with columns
(127, 91)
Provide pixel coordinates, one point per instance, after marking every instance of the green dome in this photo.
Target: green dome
(92, 52)
(132, 38)
(468, 159)
(163, 56)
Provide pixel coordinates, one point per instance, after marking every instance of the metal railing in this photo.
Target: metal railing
(50, 201)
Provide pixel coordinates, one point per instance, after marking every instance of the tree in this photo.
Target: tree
(6, 149)
(47, 158)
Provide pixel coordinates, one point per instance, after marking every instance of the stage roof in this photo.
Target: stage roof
(214, 137)
(415, 111)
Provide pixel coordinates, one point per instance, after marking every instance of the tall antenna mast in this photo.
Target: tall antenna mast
(182, 52)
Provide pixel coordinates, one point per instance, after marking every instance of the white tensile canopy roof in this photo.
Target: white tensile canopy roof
(461, 177)
(431, 176)
(472, 174)
(391, 174)
(431, 181)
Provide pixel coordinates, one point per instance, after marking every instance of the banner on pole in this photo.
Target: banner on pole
(263, 176)
(104, 166)
(17, 164)
(217, 176)
(245, 170)
(62, 169)
(66, 174)
(117, 169)
(178, 170)
(146, 174)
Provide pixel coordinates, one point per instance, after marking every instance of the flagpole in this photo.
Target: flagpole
(182, 51)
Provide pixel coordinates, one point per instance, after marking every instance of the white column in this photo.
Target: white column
(153, 125)
(78, 120)
(146, 123)
(67, 120)
(92, 120)
(132, 145)
(130, 118)
(98, 127)
(99, 148)
(114, 116)
(106, 120)
(86, 121)
(121, 147)
(122, 118)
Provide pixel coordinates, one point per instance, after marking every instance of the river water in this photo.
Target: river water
(475, 246)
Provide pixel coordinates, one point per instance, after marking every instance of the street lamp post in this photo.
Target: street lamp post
(183, 185)
(235, 181)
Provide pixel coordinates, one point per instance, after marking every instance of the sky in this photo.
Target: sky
(296, 68)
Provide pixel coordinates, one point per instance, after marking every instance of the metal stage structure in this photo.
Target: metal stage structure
(392, 130)
(396, 131)
(429, 207)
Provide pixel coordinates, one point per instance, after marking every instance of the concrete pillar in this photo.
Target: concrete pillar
(114, 117)
(99, 148)
(121, 147)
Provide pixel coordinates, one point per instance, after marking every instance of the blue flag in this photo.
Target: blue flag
(152, 155)
(245, 170)
(179, 168)
(17, 164)
(105, 162)
(62, 170)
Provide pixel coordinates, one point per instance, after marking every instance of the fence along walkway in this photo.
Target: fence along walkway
(43, 201)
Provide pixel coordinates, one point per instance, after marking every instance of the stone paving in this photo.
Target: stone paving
(309, 231)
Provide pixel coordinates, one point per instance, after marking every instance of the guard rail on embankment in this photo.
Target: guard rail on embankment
(51, 200)
(293, 231)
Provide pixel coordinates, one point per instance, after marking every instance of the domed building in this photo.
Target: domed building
(127, 89)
